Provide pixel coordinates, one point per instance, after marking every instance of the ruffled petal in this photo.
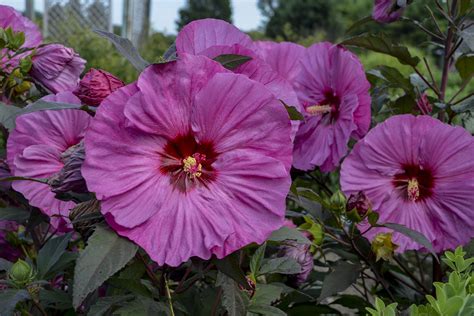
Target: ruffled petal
(199, 35)
(235, 112)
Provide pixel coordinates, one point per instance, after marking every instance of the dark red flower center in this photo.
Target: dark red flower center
(187, 162)
(328, 107)
(415, 183)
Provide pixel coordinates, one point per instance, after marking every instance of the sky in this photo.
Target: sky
(164, 13)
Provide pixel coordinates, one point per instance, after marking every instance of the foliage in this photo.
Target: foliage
(201, 9)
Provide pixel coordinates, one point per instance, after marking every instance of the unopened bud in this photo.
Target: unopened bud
(338, 200)
(383, 247)
(69, 178)
(301, 253)
(21, 273)
(360, 203)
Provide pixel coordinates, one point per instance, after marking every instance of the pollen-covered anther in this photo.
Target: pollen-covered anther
(413, 189)
(318, 109)
(192, 165)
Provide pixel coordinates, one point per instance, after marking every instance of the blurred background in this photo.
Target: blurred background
(153, 24)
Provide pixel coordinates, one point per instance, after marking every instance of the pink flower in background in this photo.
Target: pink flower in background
(284, 57)
(424, 104)
(192, 160)
(57, 67)
(6, 250)
(36, 149)
(417, 172)
(10, 18)
(386, 11)
(211, 38)
(96, 85)
(335, 93)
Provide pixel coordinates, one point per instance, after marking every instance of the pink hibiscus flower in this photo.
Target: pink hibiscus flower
(211, 38)
(335, 93)
(386, 11)
(192, 160)
(417, 172)
(36, 148)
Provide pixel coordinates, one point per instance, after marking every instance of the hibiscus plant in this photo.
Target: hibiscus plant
(239, 177)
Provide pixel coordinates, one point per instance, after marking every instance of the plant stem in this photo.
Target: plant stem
(411, 275)
(168, 294)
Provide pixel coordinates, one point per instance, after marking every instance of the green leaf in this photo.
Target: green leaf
(382, 44)
(465, 66)
(105, 254)
(234, 300)
(103, 304)
(282, 265)
(232, 61)
(312, 309)
(468, 37)
(359, 23)
(5, 265)
(65, 261)
(266, 294)
(16, 214)
(412, 234)
(373, 217)
(126, 48)
(352, 302)
(230, 267)
(294, 114)
(266, 310)
(341, 278)
(466, 105)
(393, 77)
(143, 307)
(286, 233)
(464, 6)
(56, 299)
(50, 254)
(135, 286)
(7, 115)
(9, 298)
(257, 258)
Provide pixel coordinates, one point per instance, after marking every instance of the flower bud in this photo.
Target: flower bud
(383, 247)
(96, 86)
(21, 273)
(424, 104)
(57, 67)
(301, 253)
(69, 178)
(338, 200)
(360, 203)
(387, 11)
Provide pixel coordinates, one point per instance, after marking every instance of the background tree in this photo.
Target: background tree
(200, 9)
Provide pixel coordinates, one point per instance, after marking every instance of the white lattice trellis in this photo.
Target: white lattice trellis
(62, 18)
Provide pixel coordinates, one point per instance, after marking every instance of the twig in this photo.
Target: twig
(429, 72)
(168, 294)
(216, 302)
(411, 275)
(149, 271)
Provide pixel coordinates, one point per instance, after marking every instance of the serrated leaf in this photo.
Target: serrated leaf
(103, 304)
(359, 23)
(16, 214)
(257, 258)
(232, 61)
(282, 265)
(266, 294)
(126, 48)
(234, 300)
(413, 235)
(286, 233)
(9, 298)
(341, 278)
(382, 44)
(465, 66)
(105, 254)
(50, 254)
(230, 267)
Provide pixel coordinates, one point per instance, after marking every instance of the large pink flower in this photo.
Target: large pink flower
(192, 160)
(211, 38)
(335, 93)
(418, 172)
(36, 149)
(10, 18)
